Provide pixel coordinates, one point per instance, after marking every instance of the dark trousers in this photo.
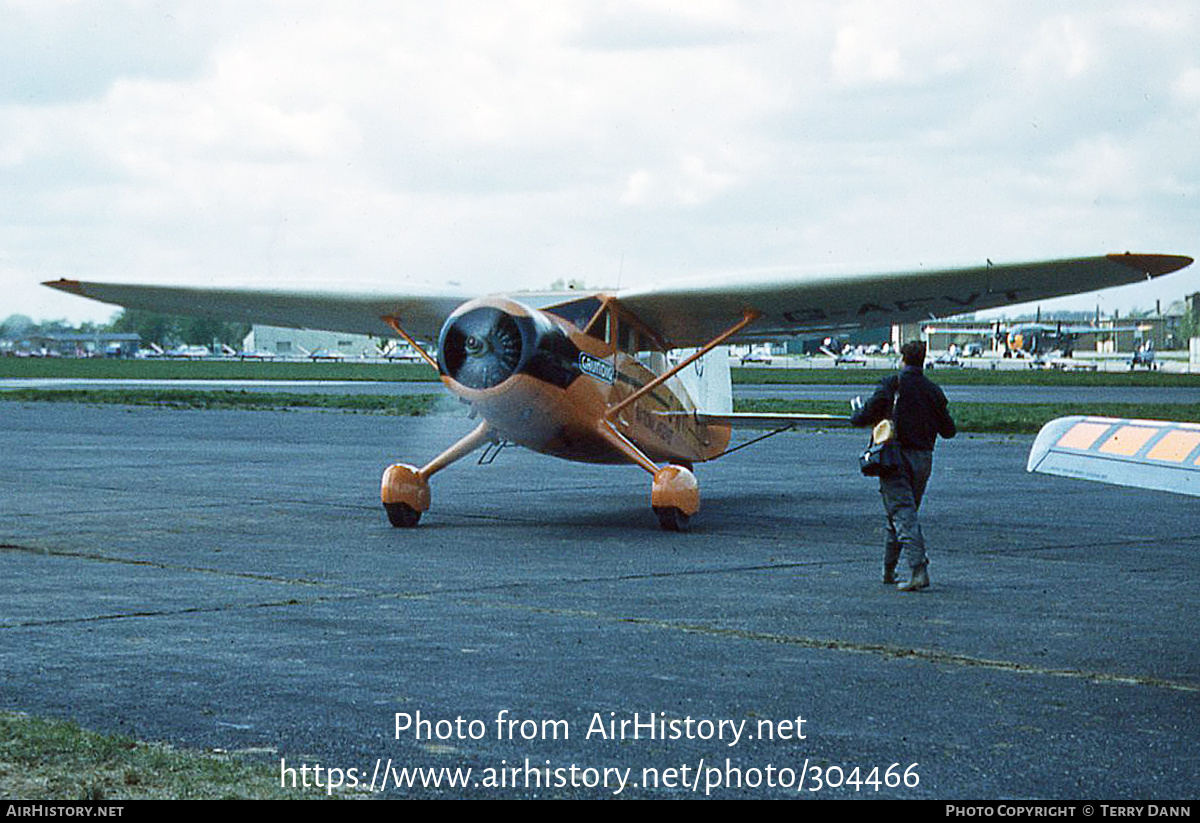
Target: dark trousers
(902, 493)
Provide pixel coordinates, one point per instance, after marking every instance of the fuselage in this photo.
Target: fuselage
(1034, 338)
(547, 379)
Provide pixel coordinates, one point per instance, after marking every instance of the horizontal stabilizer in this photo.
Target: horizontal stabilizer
(1148, 454)
(755, 420)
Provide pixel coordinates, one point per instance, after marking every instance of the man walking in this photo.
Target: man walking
(918, 408)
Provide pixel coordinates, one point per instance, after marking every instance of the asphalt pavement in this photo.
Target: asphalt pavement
(227, 580)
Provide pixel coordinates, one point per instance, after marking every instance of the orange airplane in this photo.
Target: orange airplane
(587, 376)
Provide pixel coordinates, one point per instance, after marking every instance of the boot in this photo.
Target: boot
(891, 556)
(919, 580)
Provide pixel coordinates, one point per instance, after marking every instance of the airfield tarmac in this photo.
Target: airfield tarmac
(227, 580)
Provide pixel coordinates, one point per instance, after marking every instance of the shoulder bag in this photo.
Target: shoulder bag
(882, 457)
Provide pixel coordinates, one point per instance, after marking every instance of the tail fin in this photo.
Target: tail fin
(708, 381)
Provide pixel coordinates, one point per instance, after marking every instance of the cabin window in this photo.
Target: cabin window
(600, 325)
(625, 337)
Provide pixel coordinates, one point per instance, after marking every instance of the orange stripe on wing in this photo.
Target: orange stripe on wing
(1082, 435)
(1175, 446)
(1127, 440)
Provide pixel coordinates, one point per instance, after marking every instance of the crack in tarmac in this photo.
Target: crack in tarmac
(881, 650)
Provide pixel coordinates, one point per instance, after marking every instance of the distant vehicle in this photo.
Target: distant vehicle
(973, 350)
(1143, 357)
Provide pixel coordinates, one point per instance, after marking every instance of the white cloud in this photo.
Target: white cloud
(514, 143)
(862, 56)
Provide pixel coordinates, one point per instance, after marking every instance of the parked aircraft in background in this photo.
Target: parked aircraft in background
(1034, 339)
(586, 376)
(189, 352)
(322, 354)
(758, 354)
(1052, 339)
(152, 351)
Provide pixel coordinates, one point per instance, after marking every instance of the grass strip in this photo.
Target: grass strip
(967, 377)
(1002, 418)
(406, 405)
(996, 418)
(102, 369)
(114, 369)
(57, 760)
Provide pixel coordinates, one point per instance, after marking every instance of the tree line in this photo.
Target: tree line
(166, 330)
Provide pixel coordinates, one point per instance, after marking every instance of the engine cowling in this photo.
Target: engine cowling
(487, 341)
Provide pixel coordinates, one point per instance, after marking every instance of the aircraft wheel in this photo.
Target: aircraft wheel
(671, 519)
(402, 515)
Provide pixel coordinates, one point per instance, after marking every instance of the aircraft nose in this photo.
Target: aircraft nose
(480, 348)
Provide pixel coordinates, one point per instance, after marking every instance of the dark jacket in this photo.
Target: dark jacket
(921, 413)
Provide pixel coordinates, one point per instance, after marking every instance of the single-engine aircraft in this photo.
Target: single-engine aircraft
(587, 377)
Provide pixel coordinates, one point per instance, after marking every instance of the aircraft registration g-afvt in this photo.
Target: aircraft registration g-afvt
(587, 377)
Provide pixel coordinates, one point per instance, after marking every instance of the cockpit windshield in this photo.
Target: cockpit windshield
(577, 312)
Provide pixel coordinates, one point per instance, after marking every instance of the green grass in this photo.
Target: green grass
(1001, 418)
(57, 760)
(104, 369)
(1008, 418)
(397, 405)
(967, 377)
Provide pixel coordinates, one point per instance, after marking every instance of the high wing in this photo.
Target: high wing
(1148, 454)
(685, 313)
(422, 312)
(688, 313)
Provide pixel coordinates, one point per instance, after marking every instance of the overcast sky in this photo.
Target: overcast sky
(510, 144)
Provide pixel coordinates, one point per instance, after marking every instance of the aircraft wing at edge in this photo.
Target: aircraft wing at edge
(1148, 454)
(691, 312)
(421, 313)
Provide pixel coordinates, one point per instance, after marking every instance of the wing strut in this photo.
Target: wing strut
(748, 317)
(394, 322)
